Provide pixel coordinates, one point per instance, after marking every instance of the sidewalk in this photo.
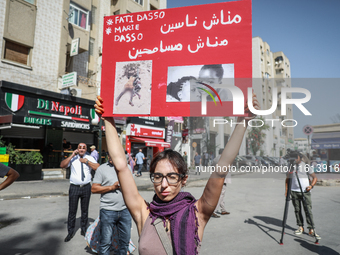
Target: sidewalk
(60, 187)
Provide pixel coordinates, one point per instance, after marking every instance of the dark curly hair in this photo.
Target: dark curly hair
(174, 87)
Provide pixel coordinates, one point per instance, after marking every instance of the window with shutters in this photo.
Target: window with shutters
(16, 52)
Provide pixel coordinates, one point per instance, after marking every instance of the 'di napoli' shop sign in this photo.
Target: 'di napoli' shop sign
(38, 109)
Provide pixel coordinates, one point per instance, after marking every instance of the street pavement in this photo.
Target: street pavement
(59, 187)
(36, 224)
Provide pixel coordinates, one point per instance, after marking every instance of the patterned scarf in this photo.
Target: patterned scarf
(183, 221)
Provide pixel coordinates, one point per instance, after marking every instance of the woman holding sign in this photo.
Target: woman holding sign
(174, 222)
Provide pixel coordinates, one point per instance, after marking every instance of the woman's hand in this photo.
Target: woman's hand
(256, 105)
(99, 108)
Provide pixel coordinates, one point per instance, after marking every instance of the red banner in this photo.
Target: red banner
(177, 62)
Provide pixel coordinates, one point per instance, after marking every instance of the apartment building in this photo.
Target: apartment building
(43, 40)
(271, 71)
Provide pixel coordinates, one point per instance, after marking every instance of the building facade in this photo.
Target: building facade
(271, 72)
(42, 41)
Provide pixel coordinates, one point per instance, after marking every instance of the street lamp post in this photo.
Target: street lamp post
(100, 140)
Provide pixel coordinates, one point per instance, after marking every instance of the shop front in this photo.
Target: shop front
(326, 151)
(146, 133)
(38, 120)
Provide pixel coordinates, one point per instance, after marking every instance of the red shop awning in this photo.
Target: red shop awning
(151, 142)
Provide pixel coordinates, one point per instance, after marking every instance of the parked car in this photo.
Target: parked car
(241, 161)
(272, 162)
(252, 158)
(262, 161)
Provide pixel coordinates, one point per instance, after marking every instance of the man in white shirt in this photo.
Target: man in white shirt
(303, 172)
(80, 187)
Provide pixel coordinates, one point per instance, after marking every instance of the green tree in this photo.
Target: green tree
(257, 135)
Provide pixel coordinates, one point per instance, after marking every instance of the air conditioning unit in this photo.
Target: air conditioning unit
(75, 92)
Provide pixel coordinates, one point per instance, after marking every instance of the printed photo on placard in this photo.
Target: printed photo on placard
(132, 92)
(190, 83)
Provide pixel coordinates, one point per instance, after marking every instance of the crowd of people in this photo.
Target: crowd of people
(174, 221)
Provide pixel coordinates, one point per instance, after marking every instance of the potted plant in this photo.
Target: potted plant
(13, 154)
(31, 164)
(36, 159)
(28, 164)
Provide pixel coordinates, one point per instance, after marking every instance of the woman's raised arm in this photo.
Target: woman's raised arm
(133, 200)
(208, 202)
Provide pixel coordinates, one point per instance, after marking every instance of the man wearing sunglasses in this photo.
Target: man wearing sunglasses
(80, 187)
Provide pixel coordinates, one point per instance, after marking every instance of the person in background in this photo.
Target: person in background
(185, 157)
(281, 161)
(303, 174)
(198, 163)
(66, 147)
(206, 158)
(11, 174)
(227, 179)
(132, 163)
(80, 187)
(94, 152)
(113, 211)
(127, 156)
(139, 161)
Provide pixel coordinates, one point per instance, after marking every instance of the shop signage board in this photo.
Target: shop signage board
(148, 121)
(176, 119)
(69, 80)
(145, 131)
(175, 62)
(37, 108)
(74, 47)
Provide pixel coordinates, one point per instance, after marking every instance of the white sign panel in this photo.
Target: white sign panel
(74, 47)
(69, 80)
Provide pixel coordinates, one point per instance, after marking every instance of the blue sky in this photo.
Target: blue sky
(308, 32)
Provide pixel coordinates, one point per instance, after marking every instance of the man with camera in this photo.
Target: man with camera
(301, 183)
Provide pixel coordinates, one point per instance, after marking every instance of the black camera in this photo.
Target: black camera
(292, 155)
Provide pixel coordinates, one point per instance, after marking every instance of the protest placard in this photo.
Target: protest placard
(189, 61)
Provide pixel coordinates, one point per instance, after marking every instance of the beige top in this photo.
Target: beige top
(149, 242)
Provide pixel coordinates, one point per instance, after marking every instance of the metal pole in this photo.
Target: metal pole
(100, 140)
(308, 148)
(285, 214)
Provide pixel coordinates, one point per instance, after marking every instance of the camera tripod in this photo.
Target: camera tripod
(290, 176)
